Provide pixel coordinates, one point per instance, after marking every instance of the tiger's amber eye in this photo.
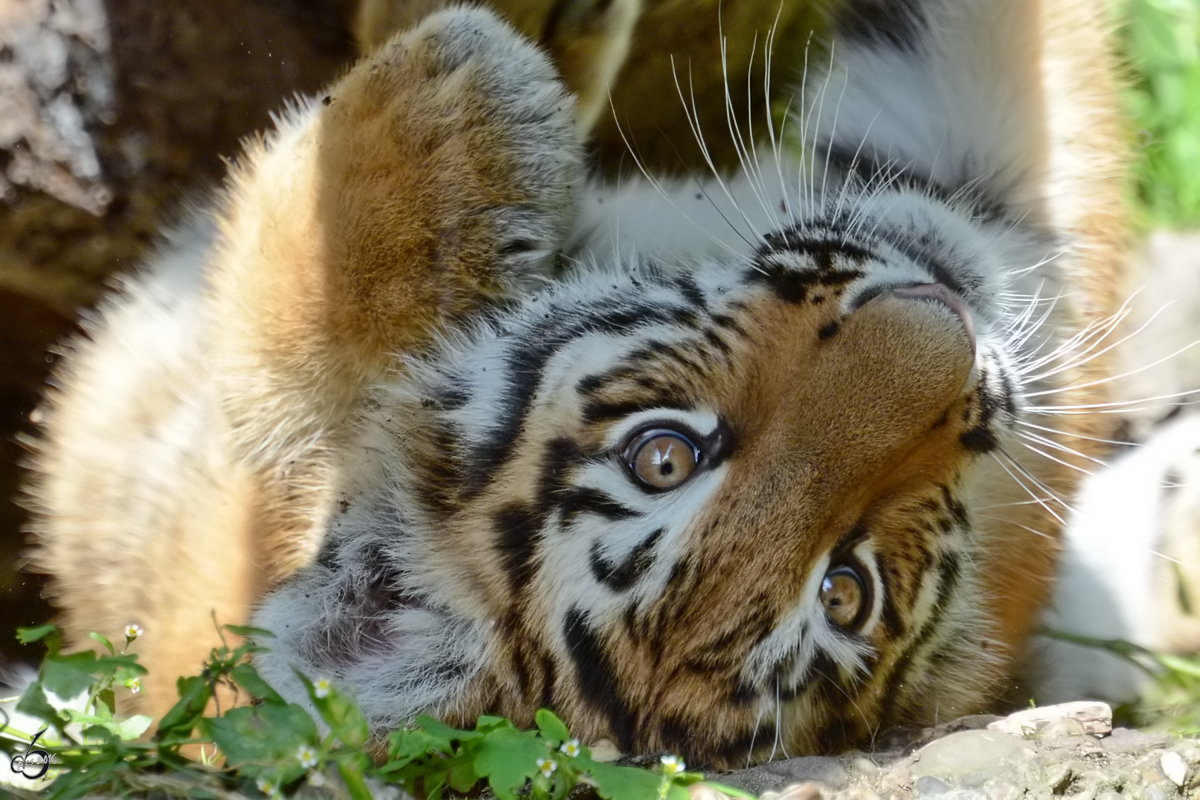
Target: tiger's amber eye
(842, 595)
(662, 459)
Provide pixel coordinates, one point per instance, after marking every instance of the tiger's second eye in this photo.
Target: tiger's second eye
(843, 596)
(662, 459)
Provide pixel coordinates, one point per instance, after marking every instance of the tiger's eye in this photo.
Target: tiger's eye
(842, 595)
(662, 459)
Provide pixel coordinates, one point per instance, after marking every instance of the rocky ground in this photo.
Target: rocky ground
(1059, 751)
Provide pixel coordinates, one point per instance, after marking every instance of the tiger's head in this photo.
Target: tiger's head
(708, 510)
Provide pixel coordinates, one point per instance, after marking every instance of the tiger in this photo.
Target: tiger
(724, 464)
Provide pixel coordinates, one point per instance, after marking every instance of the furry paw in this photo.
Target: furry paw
(453, 150)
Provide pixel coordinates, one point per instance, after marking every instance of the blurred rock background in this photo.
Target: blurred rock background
(112, 114)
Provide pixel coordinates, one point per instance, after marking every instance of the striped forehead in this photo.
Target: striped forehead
(543, 353)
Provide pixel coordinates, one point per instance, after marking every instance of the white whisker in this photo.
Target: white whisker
(658, 187)
(1029, 491)
(1033, 437)
(1028, 424)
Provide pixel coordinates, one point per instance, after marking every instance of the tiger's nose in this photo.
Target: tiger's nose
(943, 295)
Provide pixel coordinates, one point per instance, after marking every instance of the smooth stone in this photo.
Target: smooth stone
(772, 777)
(1093, 716)
(1174, 767)
(973, 756)
(929, 786)
(698, 791)
(804, 791)
(1002, 790)
(1064, 727)
(1124, 741)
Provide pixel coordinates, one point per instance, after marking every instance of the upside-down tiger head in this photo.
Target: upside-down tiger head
(711, 511)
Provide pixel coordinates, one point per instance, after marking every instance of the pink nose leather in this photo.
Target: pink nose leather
(937, 293)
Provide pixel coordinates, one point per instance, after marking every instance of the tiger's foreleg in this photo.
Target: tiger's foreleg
(187, 463)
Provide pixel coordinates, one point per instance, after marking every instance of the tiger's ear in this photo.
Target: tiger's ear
(588, 39)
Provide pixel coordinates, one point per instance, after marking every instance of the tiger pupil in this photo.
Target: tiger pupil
(842, 594)
(661, 458)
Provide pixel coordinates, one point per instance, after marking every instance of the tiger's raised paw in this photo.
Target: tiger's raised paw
(449, 159)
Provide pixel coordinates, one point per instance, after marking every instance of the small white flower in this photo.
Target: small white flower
(307, 756)
(317, 778)
(134, 685)
(132, 631)
(322, 687)
(672, 765)
(547, 766)
(570, 747)
(266, 786)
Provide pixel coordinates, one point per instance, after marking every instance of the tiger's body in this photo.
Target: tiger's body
(703, 465)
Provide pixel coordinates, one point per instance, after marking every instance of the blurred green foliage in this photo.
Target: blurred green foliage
(1162, 46)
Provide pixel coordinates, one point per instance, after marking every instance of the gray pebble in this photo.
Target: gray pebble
(973, 756)
(778, 774)
(1058, 777)
(1129, 742)
(929, 786)
(1003, 790)
(1064, 726)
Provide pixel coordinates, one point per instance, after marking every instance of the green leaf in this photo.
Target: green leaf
(463, 774)
(248, 678)
(346, 722)
(39, 632)
(508, 757)
(99, 733)
(356, 785)
(84, 718)
(249, 632)
(626, 783)
(104, 641)
(70, 675)
(444, 733)
(131, 728)
(551, 726)
(487, 723)
(107, 699)
(260, 734)
(34, 703)
(194, 694)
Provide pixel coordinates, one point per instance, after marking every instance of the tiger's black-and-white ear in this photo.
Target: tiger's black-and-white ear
(950, 91)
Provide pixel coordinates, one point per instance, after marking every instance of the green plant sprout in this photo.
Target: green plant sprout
(270, 747)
